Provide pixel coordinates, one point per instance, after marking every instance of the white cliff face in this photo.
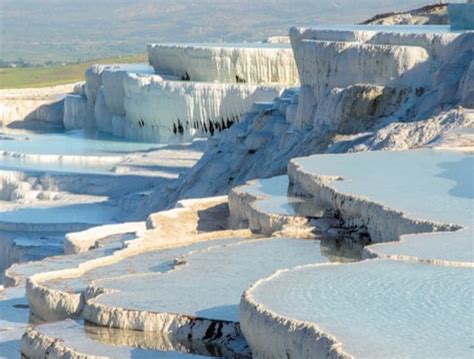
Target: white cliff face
(356, 108)
(432, 38)
(325, 65)
(406, 61)
(129, 101)
(104, 93)
(95, 76)
(246, 63)
(76, 113)
(162, 110)
(113, 83)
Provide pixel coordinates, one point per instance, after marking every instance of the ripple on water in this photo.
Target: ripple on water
(212, 281)
(381, 308)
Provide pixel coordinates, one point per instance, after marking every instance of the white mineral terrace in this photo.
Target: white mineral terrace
(186, 109)
(206, 283)
(245, 63)
(341, 310)
(132, 101)
(112, 244)
(372, 309)
(403, 57)
(433, 193)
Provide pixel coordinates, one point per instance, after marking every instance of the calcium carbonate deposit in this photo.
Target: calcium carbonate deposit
(267, 200)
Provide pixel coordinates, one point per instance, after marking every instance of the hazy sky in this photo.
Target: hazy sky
(40, 30)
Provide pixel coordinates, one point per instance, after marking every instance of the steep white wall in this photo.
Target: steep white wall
(76, 112)
(225, 64)
(103, 115)
(433, 42)
(356, 108)
(430, 65)
(325, 65)
(164, 110)
(111, 78)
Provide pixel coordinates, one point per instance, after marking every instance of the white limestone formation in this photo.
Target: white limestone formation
(357, 108)
(277, 40)
(324, 65)
(433, 39)
(317, 314)
(361, 90)
(51, 300)
(162, 110)
(105, 94)
(204, 315)
(359, 117)
(242, 63)
(116, 102)
(409, 135)
(77, 114)
(383, 224)
(95, 76)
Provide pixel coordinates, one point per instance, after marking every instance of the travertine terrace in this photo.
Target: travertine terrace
(206, 204)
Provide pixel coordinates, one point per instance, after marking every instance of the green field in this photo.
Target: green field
(28, 77)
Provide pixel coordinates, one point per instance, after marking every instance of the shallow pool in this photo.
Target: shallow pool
(210, 281)
(71, 151)
(380, 309)
(77, 142)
